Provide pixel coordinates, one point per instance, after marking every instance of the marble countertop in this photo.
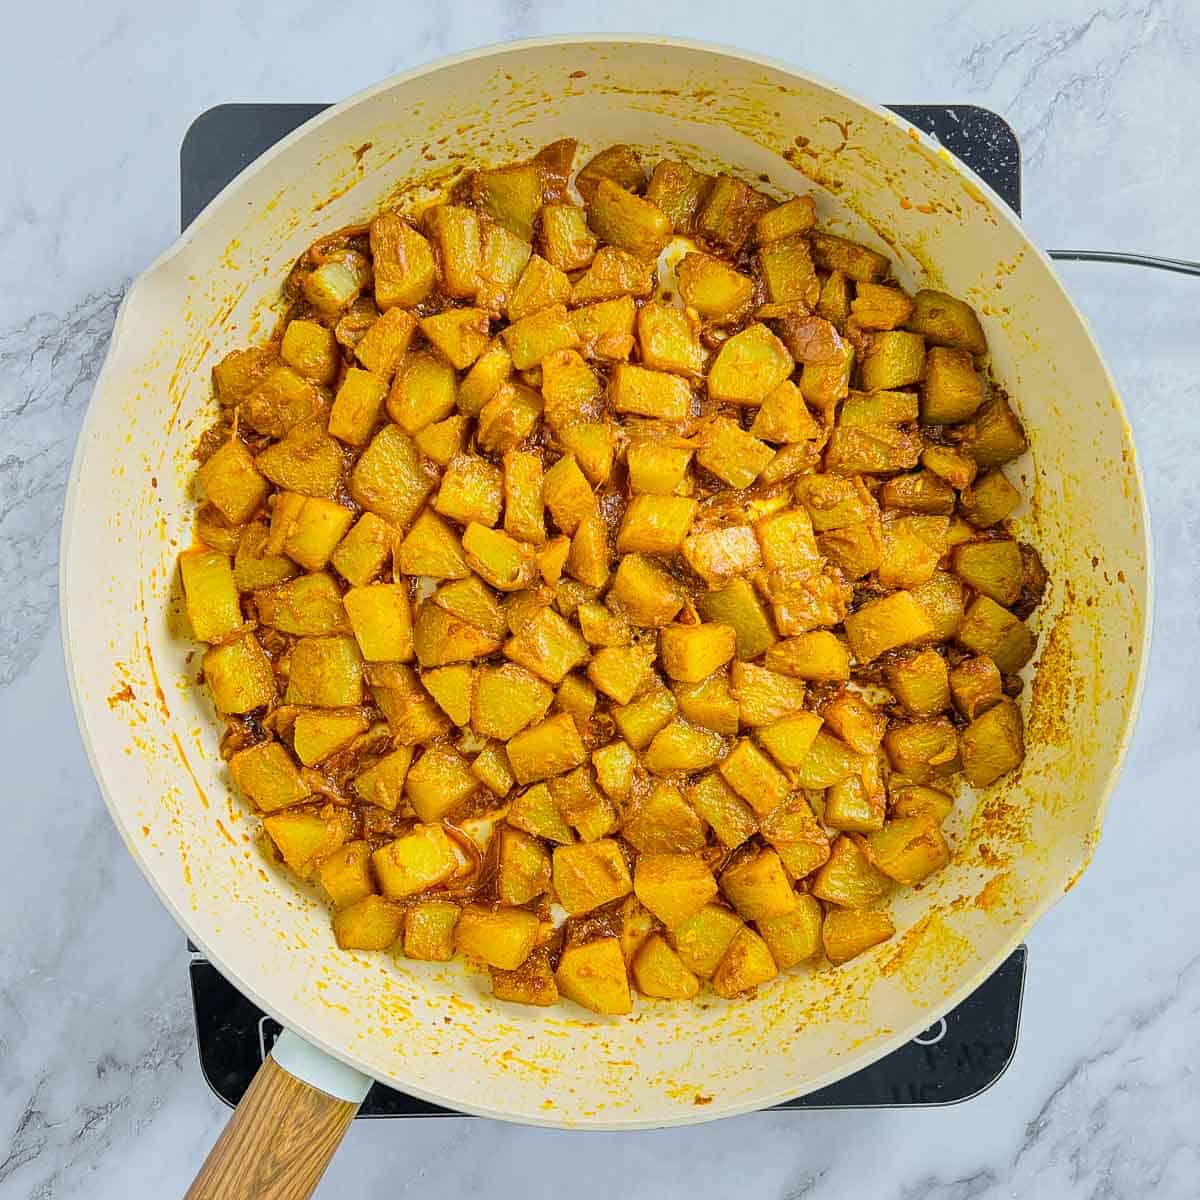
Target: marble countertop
(101, 1095)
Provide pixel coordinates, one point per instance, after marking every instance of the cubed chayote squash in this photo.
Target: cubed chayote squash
(747, 964)
(989, 500)
(534, 810)
(975, 685)
(644, 592)
(789, 739)
(441, 637)
(504, 256)
(346, 874)
(679, 190)
(859, 724)
(315, 530)
(691, 653)
(456, 232)
(921, 682)
(523, 497)
(594, 976)
(922, 750)
(642, 392)
(383, 347)
(738, 606)
(429, 930)
(788, 272)
(784, 417)
(847, 933)
(411, 714)
(311, 349)
(729, 213)
(540, 285)
(853, 807)
(718, 556)
(659, 972)
(382, 784)
(615, 275)
(641, 719)
(371, 923)
(787, 542)
(438, 782)
(307, 461)
(209, 593)
(303, 837)
(820, 656)
(499, 937)
(918, 492)
(764, 696)
(885, 624)
(389, 479)
(757, 886)
(239, 675)
(511, 194)
(266, 773)
(994, 568)
(733, 455)
(564, 237)
(532, 338)
(728, 815)
(583, 806)
(405, 272)
(941, 596)
(709, 703)
(908, 849)
(893, 359)
(605, 328)
(673, 886)
(491, 370)
(325, 672)
(993, 744)
(988, 628)
(796, 835)
(656, 467)
(490, 767)
(567, 494)
(523, 867)
(791, 217)
(956, 469)
(619, 162)
(589, 874)
(849, 878)
(460, 334)
(669, 340)
(749, 367)
(601, 626)
(701, 940)
(630, 222)
(432, 548)
(952, 391)
(594, 445)
(508, 418)
(241, 371)
(576, 696)
(852, 259)
(360, 556)
(232, 482)
(547, 646)
(616, 767)
(946, 321)
(508, 698)
(795, 936)
(423, 391)
(421, 860)
(878, 307)
(502, 561)
(621, 671)
(994, 435)
(307, 605)
(547, 749)
(357, 406)
(713, 288)
(531, 983)
(472, 490)
(283, 400)
(663, 823)
(382, 621)
(754, 777)
(682, 747)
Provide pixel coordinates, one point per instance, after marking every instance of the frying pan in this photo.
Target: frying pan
(430, 1029)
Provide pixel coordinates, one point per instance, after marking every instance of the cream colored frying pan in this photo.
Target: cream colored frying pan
(433, 1030)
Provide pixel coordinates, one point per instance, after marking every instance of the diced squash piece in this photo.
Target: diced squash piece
(885, 624)
(789, 740)
(655, 524)
(745, 965)
(614, 274)
(993, 568)
(589, 874)
(793, 216)
(878, 307)
(975, 685)
(531, 983)
(729, 816)
(656, 468)
(455, 231)
(673, 886)
(548, 748)
(709, 703)
(305, 838)
(754, 777)
(453, 688)
(602, 627)
(664, 823)
(909, 849)
(922, 749)
(946, 321)
(795, 936)
(990, 629)
(820, 656)
(492, 369)
(797, 837)
(749, 367)
(552, 557)
(594, 976)
(787, 542)
(440, 637)
(758, 887)
(764, 696)
(508, 698)
(311, 349)
(325, 672)
(522, 486)
(508, 418)
(346, 874)
(502, 561)
(941, 596)
(472, 490)
(729, 213)
(693, 652)
(679, 190)
(717, 556)
(313, 534)
(548, 646)
(411, 714)
(853, 259)
(587, 560)
(993, 744)
(239, 675)
(535, 811)
(713, 288)
(232, 482)
(956, 469)
(283, 400)
(432, 548)
(993, 436)
(787, 269)
(567, 494)
(500, 937)
(847, 933)
(853, 807)
(241, 371)
(594, 444)
(628, 221)
(383, 783)
(382, 621)
(680, 747)
(388, 478)
(587, 810)
(372, 923)
(669, 340)
(649, 393)
(893, 359)
(702, 940)
(615, 766)
(305, 606)
(918, 492)
(658, 972)
(532, 338)
(732, 454)
(423, 391)
(357, 406)
(921, 682)
(461, 334)
(511, 194)
(644, 592)
(605, 329)
(833, 502)
(210, 594)
(738, 606)
(490, 767)
(403, 261)
(952, 390)
(619, 162)
(565, 238)
(361, 554)
(540, 285)
(417, 862)
(504, 258)
(784, 417)
(266, 773)
(621, 671)
(849, 878)
(989, 500)
(336, 283)
(642, 719)
(429, 930)
(383, 347)
(576, 696)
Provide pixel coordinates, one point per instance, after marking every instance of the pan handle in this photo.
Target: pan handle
(285, 1131)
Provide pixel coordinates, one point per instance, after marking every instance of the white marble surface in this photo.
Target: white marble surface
(100, 1092)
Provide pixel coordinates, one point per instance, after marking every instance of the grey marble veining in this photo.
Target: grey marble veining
(100, 1092)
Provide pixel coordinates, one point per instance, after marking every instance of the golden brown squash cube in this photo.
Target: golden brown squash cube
(952, 390)
(644, 592)
(420, 860)
(583, 807)
(664, 823)
(764, 696)
(504, 258)
(548, 748)
(531, 983)
(502, 561)
(461, 334)
(325, 672)
(993, 744)
(794, 937)
(411, 715)
(589, 874)
(921, 802)
(423, 391)
(994, 436)
(490, 767)
(946, 321)
(849, 878)
(577, 697)
(239, 675)
(918, 492)
(587, 560)
(232, 482)
(534, 337)
(921, 682)
(500, 937)
(472, 490)
(975, 685)
(455, 231)
(732, 454)
(738, 606)
(311, 349)
(357, 406)
(283, 400)
(304, 838)
(453, 688)
(878, 307)
(552, 557)
(745, 965)
(567, 494)
(372, 923)
(701, 940)
(758, 887)
(508, 418)
(856, 722)
(833, 502)
(655, 524)
(266, 773)
(548, 646)
(893, 359)
(749, 367)
(656, 468)
(313, 534)
(403, 261)
(540, 285)
(572, 392)
(383, 784)
(693, 652)
(990, 629)
(241, 371)
(990, 500)
(670, 340)
(621, 671)
(649, 393)
(729, 816)
(605, 329)
(492, 369)
(787, 269)
(853, 807)
(784, 417)
(956, 469)
(852, 259)
(603, 627)
(828, 761)
(921, 750)
(754, 777)
(729, 213)
(361, 554)
(820, 656)
(909, 849)
(941, 596)
(565, 238)
(523, 483)
(432, 548)
(429, 930)
(673, 886)
(709, 703)
(659, 972)
(614, 276)
(713, 288)
(627, 221)
(308, 605)
(993, 568)
(594, 976)
(717, 555)
(787, 541)
(847, 933)
(679, 190)
(641, 720)
(381, 620)
(440, 638)
(535, 811)
(507, 699)
(511, 194)
(682, 747)
(789, 740)
(383, 347)
(793, 216)
(346, 874)
(619, 162)
(885, 624)
(210, 594)
(594, 445)
(389, 479)
(615, 766)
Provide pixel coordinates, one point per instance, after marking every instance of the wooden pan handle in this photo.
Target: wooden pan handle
(286, 1129)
